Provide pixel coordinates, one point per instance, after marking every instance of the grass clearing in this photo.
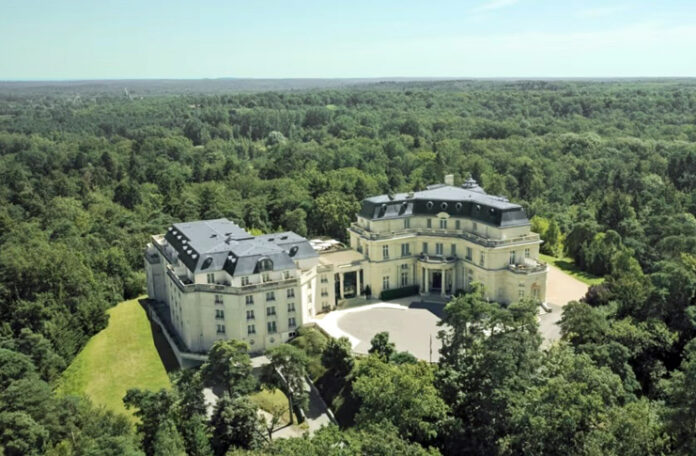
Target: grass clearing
(269, 400)
(568, 266)
(120, 357)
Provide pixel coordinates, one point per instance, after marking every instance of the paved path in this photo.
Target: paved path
(561, 288)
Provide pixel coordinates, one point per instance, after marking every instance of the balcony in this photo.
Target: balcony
(461, 234)
(425, 258)
(530, 267)
(185, 284)
(152, 257)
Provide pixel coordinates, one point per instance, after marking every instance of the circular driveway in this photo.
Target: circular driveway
(411, 329)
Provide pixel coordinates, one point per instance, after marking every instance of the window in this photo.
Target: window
(385, 283)
(482, 259)
(210, 277)
(405, 250)
(324, 279)
(218, 299)
(512, 257)
(475, 226)
(425, 247)
(291, 322)
(219, 314)
(469, 254)
(404, 279)
(270, 311)
(324, 292)
(291, 293)
(251, 329)
(270, 296)
(245, 281)
(250, 314)
(249, 300)
(526, 253)
(443, 224)
(286, 275)
(458, 224)
(438, 248)
(266, 277)
(453, 250)
(407, 223)
(271, 325)
(520, 293)
(325, 305)
(404, 266)
(385, 252)
(221, 329)
(291, 307)
(264, 264)
(429, 223)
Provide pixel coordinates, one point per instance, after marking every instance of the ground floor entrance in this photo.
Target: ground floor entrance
(436, 282)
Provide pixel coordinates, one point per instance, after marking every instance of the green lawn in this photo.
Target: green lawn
(120, 357)
(568, 266)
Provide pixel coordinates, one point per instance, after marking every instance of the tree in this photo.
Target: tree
(402, 396)
(381, 346)
(229, 366)
(558, 412)
(235, 423)
(488, 358)
(680, 402)
(287, 371)
(153, 408)
(338, 356)
(20, 435)
(167, 440)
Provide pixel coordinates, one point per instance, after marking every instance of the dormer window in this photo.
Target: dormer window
(264, 264)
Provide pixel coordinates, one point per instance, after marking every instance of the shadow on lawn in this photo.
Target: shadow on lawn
(165, 352)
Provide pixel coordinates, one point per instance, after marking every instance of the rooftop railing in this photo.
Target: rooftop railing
(475, 238)
(186, 285)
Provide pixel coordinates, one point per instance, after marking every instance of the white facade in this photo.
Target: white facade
(263, 309)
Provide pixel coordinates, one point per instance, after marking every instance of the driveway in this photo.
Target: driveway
(412, 329)
(561, 288)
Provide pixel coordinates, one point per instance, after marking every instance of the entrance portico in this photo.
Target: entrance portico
(437, 274)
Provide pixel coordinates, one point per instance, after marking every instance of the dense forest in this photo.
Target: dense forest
(606, 169)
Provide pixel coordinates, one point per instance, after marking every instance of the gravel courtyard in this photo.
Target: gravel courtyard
(411, 326)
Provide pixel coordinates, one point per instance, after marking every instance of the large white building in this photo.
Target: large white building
(211, 279)
(443, 238)
(218, 281)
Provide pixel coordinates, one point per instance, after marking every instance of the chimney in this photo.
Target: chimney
(449, 179)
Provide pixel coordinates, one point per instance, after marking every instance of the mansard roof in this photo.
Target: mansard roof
(214, 245)
(467, 201)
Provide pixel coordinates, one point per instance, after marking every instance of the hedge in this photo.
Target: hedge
(398, 292)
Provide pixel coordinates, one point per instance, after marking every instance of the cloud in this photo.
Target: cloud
(601, 11)
(494, 5)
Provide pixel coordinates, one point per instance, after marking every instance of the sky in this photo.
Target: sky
(128, 39)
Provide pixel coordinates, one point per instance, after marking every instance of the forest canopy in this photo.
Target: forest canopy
(605, 170)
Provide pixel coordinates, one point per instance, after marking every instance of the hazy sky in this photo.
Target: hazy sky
(99, 39)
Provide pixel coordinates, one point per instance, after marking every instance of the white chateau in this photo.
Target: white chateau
(211, 279)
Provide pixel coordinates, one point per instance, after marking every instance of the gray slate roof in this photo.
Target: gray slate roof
(468, 201)
(214, 245)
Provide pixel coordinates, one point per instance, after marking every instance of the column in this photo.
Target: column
(357, 283)
(454, 279)
(443, 284)
(340, 286)
(426, 288)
